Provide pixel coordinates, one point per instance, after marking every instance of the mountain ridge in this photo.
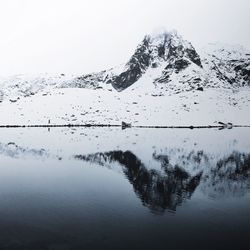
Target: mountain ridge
(167, 61)
(180, 63)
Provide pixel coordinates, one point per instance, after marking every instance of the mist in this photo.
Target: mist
(77, 37)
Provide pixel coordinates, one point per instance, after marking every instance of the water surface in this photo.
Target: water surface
(107, 188)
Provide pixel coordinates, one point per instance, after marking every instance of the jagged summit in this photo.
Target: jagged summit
(166, 44)
(166, 48)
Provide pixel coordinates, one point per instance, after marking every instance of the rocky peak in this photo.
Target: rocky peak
(167, 48)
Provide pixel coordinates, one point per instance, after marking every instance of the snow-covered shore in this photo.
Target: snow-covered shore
(87, 106)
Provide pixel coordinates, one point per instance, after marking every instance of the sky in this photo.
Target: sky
(82, 36)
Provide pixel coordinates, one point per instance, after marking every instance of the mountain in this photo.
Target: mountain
(167, 49)
(171, 63)
(163, 62)
(165, 54)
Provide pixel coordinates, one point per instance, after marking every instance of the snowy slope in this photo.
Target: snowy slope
(226, 65)
(18, 86)
(80, 106)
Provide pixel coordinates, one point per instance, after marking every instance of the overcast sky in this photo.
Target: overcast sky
(81, 36)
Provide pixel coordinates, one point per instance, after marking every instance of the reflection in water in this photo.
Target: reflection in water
(49, 201)
(157, 191)
(229, 177)
(179, 175)
(168, 189)
(12, 150)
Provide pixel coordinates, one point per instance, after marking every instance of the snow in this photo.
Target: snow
(17, 86)
(135, 105)
(224, 50)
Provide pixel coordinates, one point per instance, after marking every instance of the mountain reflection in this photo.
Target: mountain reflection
(156, 190)
(168, 188)
(12, 150)
(229, 177)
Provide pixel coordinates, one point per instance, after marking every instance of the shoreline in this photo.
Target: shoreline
(126, 127)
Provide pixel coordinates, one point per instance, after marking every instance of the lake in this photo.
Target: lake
(108, 188)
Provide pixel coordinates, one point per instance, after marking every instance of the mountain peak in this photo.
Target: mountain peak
(164, 48)
(172, 63)
(164, 36)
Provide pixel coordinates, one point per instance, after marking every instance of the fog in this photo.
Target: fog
(78, 36)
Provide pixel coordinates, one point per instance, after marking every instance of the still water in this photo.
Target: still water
(108, 188)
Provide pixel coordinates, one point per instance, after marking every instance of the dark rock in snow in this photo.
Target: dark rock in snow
(126, 125)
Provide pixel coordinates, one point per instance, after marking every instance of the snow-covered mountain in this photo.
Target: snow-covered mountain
(165, 60)
(171, 63)
(166, 51)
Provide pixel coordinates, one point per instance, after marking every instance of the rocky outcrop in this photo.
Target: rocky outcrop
(167, 49)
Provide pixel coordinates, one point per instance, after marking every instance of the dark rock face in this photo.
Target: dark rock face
(178, 52)
(242, 71)
(194, 57)
(180, 65)
(136, 66)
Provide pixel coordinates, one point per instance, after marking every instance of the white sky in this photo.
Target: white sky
(81, 36)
